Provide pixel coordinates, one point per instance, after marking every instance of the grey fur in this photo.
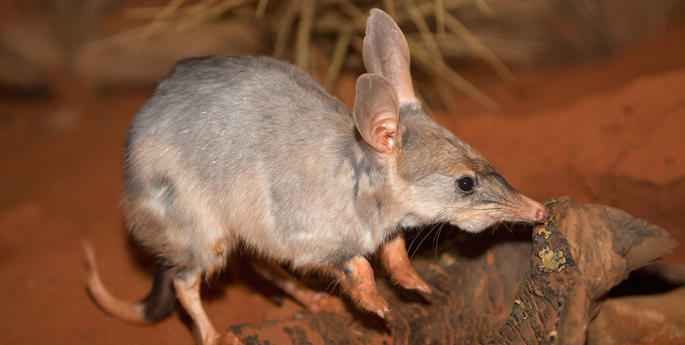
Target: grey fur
(252, 150)
(256, 131)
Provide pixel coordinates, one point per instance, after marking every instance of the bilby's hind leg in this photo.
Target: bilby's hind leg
(357, 280)
(313, 300)
(396, 261)
(188, 293)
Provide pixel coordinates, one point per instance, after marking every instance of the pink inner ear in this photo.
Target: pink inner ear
(383, 131)
(376, 112)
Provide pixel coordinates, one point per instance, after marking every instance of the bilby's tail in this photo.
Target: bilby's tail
(157, 305)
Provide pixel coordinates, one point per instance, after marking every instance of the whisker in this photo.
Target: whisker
(413, 240)
(421, 242)
(437, 235)
(434, 222)
(425, 235)
(437, 238)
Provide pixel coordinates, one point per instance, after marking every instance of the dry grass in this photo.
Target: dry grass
(325, 36)
(332, 29)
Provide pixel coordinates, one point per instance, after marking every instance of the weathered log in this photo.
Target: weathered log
(649, 305)
(497, 289)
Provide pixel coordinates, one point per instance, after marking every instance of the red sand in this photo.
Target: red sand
(610, 132)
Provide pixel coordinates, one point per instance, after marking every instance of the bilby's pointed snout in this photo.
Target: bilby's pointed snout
(533, 210)
(542, 214)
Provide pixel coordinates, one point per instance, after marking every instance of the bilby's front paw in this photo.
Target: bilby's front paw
(411, 280)
(372, 301)
(396, 261)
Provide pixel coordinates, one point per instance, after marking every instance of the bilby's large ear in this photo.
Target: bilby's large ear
(376, 112)
(386, 52)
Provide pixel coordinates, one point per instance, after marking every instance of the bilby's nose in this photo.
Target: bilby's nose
(534, 210)
(542, 214)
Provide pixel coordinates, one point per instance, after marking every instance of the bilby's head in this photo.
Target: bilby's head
(449, 181)
(435, 175)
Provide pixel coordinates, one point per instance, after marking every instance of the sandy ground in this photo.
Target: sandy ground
(610, 132)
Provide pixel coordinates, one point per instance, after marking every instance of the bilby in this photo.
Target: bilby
(251, 151)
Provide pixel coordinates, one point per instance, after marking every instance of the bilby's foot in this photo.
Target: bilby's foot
(188, 293)
(372, 301)
(396, 261)
(358, 282)
(312, 300)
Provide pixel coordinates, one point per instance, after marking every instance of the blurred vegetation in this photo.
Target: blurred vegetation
(323, 36)
(333, 32)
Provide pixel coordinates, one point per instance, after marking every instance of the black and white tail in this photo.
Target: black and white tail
(156, 306)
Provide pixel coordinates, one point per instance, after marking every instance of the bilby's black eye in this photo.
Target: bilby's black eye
(465, 183)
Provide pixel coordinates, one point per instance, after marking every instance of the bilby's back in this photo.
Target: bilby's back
(243, 148)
